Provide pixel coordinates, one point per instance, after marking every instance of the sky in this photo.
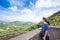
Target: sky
(27, 10)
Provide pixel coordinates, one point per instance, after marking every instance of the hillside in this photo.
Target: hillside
(15, 27)
(19, 23)
(15, 24)
(55, 19)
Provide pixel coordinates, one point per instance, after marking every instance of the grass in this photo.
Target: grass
(13, 30)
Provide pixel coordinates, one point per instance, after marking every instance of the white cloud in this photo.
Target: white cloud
(27, 11)
(13, 8)
(31, 3)
(28, 15)
(16, 2)
(34, 14)
(31, 18)
(47, 3)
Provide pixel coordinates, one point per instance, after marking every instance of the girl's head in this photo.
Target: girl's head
(44, 20)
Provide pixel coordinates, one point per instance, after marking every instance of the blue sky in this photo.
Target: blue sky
(27, 10)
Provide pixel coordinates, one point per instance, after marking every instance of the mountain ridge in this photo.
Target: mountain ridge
(15, 23)
(54, 19)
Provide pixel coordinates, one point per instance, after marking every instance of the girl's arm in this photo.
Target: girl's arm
(44, 38)
(39, 27)
(46, 33)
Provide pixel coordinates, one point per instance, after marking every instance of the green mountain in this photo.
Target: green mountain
(19, 23)
(15, 24)
(55, 19)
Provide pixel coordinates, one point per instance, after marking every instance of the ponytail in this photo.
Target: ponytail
(46, 20)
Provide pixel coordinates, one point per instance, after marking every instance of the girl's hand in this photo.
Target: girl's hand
(39, 28)
(44, 38)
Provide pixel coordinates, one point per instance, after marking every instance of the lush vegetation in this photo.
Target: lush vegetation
(55, 19)
(15, 27)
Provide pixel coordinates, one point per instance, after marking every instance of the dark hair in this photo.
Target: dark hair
(46, 20)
